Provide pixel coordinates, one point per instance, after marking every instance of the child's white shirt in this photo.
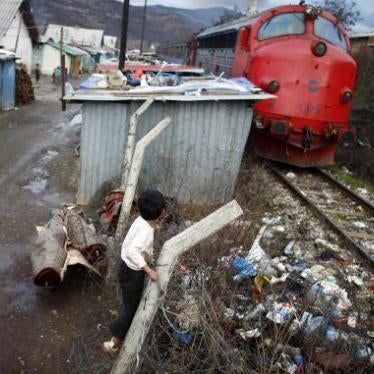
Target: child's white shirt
(138, 244)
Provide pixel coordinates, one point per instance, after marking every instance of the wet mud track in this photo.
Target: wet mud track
(38, 328)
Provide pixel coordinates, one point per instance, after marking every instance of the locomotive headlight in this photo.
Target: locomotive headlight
(273, 86)
(346, 97)
(319, 49)
(318, 10)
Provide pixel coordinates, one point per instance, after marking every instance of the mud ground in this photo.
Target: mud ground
(40, 330)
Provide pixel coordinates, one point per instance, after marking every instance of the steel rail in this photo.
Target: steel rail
(353, 195)
(352, 244)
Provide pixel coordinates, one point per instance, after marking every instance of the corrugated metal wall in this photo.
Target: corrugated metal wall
(7, 84)
(197, 159)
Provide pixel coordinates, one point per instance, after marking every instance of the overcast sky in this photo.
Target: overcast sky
(365, 6)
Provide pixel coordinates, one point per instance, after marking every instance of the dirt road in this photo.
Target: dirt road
(41, 330)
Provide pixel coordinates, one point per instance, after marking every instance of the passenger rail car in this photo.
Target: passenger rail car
(301, 54)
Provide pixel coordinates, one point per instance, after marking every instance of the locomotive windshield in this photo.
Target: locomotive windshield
(282, 24)
(325, 29)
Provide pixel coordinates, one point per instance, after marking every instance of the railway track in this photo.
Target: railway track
(350, 215)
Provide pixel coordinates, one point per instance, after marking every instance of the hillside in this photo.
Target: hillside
(164, 24)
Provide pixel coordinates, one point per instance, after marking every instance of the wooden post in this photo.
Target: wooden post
(129, 194)
(131, 135)
(125, 24)
(143, 26)
(62, 68)
(132, 182)
(154, 293)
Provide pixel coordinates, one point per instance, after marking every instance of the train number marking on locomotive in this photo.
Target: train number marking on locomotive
(313, 86)
(310, 108)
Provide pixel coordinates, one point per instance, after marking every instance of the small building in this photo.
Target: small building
(196, 160)
(49, 58)
(74, 35)
(18, 31)
(109, 41)
(7, 80)
(362, 42)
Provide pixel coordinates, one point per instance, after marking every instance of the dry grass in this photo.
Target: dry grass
(216, 347)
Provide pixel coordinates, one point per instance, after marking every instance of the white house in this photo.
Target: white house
(74, 35)
(48, 56)
(109, 41)
(18, 31)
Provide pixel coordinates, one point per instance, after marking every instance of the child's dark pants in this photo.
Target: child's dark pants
(132, 284)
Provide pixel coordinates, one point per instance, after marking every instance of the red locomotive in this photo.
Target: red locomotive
(301, 54)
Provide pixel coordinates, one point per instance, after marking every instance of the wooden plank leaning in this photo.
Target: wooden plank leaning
(154, 293)
(129, 194)
(131, 136)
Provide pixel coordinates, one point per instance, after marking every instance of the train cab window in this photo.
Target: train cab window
(282, 24)
(325, 29)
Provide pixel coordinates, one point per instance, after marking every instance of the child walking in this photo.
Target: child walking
(136, 253)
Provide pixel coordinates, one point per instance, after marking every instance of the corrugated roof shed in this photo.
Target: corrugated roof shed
(6, 55)
(68, 49)
(8, 10)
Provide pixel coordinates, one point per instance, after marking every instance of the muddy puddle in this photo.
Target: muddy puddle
(39, 174)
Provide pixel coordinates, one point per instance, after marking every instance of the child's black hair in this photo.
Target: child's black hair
(151, 203)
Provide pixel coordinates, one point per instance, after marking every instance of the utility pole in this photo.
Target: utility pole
(143, 26)
(125, 24)
(62, 70)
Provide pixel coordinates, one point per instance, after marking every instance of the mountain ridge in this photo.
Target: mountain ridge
(164, 24)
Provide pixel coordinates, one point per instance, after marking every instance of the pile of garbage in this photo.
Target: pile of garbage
(306, 308)
(306, 294)
(136, 81)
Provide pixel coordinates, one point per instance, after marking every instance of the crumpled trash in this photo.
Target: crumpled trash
(184, 337)
(299, 361)
(291, 175)
(313, 324)
(331, 334)
(95, 81)
(188, 317)
(364, 351)
(288, 250)
(281, 313)
(317, 273)
(271, 221)
(244, 268)
(298, 280)
(326, 292)
(249, 334)
(258, 257)
(359, 225)
(254, 313)
(329, 254)
(260, 281)
(356, 280)
(299, 265)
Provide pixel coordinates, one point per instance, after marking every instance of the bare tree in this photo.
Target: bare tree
(229, 15)
(344, 10)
